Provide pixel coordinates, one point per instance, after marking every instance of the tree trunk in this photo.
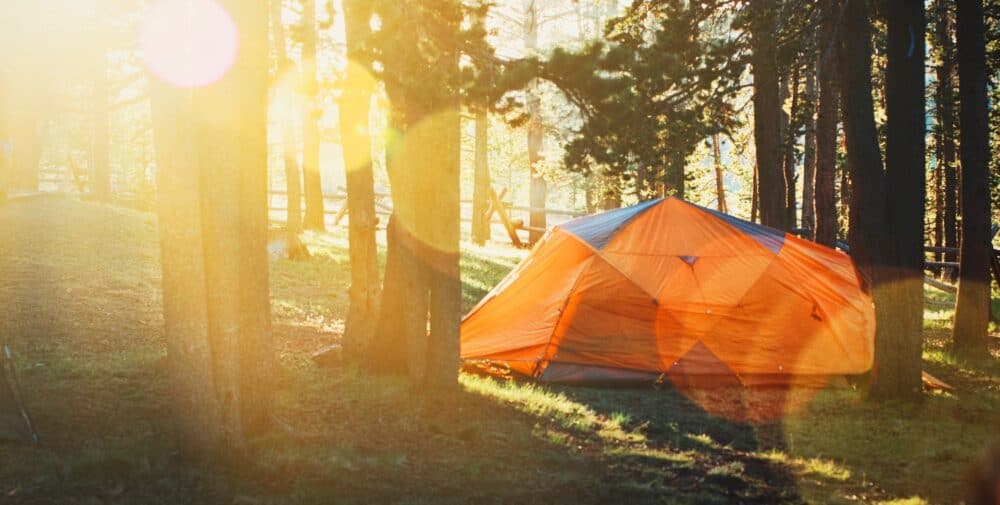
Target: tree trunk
(423, 277)
(899, 358)
(289, 147)
(196, 410)
(789, 135)
(405, 296)
(720, 187)
(240, 156)
(809, 154)
(945, 101)
(755, 195)
(213, 153)
(481, 180)
(673, 178)
(767, 116)
(938, 197)
(826, 128)
(355, 105)
(611, 193)
(445, 282)
(100, 182)
(972, 310)
(868, 202)
(313, 181)
(536, 133)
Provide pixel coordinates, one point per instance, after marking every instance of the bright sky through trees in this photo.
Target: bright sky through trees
(188, 43)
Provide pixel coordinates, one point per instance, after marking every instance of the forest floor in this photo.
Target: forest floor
(81, 307)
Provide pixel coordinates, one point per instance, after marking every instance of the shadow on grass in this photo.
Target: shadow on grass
(696, 456)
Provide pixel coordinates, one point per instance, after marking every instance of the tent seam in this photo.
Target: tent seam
(598, 254)
(562, 311)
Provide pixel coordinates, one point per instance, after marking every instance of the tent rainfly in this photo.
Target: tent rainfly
(669, 289)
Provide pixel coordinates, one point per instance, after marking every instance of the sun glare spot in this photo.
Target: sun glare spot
(188, 43)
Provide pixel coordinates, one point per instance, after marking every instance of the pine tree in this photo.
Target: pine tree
(972, 309)
(898, 350)
(355, 105)
(211, 149)
(315, 218)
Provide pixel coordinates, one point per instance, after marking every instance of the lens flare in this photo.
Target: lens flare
(188, 43)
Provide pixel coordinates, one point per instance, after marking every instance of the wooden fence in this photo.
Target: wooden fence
(500, 213)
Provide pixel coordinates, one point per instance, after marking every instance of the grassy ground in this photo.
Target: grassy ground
(80, 305)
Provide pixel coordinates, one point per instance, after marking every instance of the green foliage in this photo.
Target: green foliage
(658, 86)
(416, 46)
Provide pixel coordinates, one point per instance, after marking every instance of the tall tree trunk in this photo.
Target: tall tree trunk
(244, 95)
(313, 181)
(214, 235)
(945, 101)
(673, 177)
(481, 180)
(100, 183)
(289, 147)
(826, 127)
(938, 196)
(869, 215)
(355, 105)
(899, 358)
(422, 273)
(536, 132)
(809, 153)
(720, 187)
(790, 135)
(590, 199)
(611, 192)
(767, 116)
(196, 410)
(972, 310)
(445, 284)
(405, 297)
(755, 195)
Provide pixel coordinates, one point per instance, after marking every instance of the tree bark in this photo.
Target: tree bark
(972, 309)
(243, 94)
(355, 105)
(720, 187)
(869, 216)
(767, 116)
(289, 147)
(673, 177)
(445, 283)
(809, 154)
(100, 183)
(826, 128)
(611, 194)
(315, 218)
(481, 229)
(938, 197)
(536, 133)
(944, 98)
(789, 136)
(405, 297)
(899, 359)
(212, 143)
(196, 410)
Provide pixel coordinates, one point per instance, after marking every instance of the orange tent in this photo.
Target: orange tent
(668, 288)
